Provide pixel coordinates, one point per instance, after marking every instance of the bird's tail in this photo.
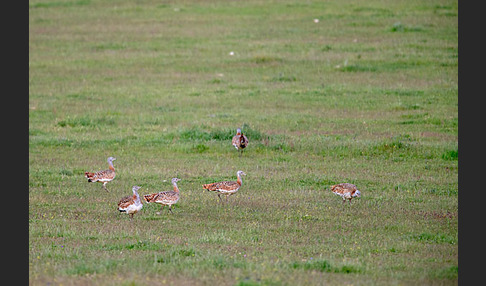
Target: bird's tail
(149, 198)
(89, 175)
(207, 186)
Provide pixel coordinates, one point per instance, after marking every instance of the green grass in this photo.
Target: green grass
(368, 95)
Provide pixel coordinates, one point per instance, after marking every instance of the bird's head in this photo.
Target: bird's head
(111, 159)
(239, 173)
(137, 196)
(357, 194)
(238, 131)
(175, 180)
(135, 189)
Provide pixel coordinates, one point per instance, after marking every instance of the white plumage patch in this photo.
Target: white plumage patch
(168, 201)
(132, 209)
(224, 191)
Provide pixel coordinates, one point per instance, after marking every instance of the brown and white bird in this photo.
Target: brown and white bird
(131, 204)
(167, 198)
(240, 141)
(226, 188)
(346, 191)
(104, 176)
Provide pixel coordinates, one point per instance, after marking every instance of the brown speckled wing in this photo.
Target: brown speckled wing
(167, 197)
(343, 188)
(103, 175)
(235, 140)
(243, 141)
(125, 202)
(225, 185)
(150, 198)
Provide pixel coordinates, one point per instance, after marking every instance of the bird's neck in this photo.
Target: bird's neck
(176, 189)
(136, 198)
(239, 181)
(111, 167)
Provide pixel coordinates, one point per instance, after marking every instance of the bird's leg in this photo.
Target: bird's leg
(170, 209)
(131, 217)
(219, 196)
(104, 187)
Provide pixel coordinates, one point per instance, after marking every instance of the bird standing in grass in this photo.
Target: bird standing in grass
(131, 204)
(226, 188)
(167, 198)
(346, 191)
(240, 141)
(104, 176)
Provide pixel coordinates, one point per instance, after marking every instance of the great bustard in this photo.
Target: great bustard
(346, 191)
(226, 188)
(104, 176)
(240, 141)
(167, 198)
(131, 204)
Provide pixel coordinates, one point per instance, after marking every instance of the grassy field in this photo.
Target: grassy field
(327, 92)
